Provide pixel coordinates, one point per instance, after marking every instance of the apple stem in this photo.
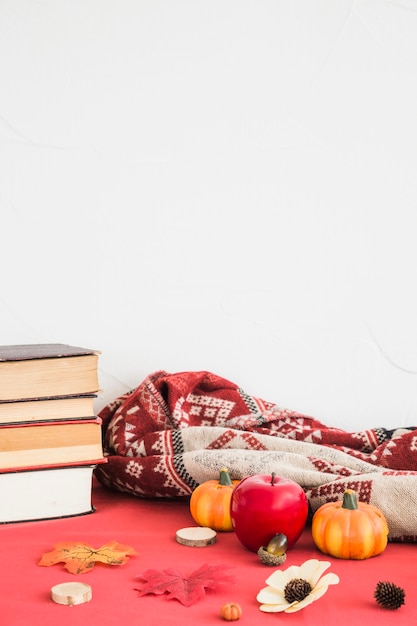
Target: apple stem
(273, 478)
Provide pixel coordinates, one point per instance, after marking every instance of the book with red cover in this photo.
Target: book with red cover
(33, 371)
(51, 443)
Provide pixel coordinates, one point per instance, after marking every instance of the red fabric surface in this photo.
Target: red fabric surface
(150, 527)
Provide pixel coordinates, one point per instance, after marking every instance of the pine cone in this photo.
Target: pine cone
(388, 595)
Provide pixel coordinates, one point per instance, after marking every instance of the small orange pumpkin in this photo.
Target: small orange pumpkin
(231, 611)
(349, 529)
(210, 502)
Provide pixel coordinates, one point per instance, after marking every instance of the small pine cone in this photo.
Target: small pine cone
(389, 596)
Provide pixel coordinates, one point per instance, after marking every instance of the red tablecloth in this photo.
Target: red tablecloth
(150, 527)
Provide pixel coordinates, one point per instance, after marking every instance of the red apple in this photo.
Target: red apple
(265, 505)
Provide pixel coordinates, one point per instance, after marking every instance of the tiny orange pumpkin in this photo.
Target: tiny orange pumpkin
(231, 611)
(348, 529)
(210, 502)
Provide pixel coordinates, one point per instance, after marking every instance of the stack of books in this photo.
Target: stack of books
(50, 437)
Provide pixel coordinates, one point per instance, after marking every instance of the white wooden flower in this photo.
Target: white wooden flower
(296, 587)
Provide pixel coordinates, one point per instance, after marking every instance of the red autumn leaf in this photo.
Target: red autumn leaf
(186, 590)
(80, 557)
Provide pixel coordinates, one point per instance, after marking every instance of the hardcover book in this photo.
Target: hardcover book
(34, 371)
(47, 409)
(45, 493)
(51, 443)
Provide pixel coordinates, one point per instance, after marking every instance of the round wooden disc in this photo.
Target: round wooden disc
(197, 536)
(71, 593)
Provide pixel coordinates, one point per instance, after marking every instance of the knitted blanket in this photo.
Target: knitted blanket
(175, 431)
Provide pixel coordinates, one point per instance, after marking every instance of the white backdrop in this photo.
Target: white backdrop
(226, 185)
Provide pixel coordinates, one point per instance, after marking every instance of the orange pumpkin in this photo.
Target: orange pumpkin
(210, 502)
(231, 611)
(349, 529)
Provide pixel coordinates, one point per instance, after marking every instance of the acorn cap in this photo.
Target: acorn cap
(271, 559)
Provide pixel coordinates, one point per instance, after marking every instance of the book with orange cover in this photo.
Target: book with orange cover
(33, 371)
(51, 443)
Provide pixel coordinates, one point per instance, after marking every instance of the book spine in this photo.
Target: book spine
(89, 420)
(34, 468)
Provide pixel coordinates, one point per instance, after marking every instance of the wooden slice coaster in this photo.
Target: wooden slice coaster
(71, 593)
(197, 536)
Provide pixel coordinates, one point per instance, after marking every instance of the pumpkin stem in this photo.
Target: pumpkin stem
(224, 478)
(349, 500)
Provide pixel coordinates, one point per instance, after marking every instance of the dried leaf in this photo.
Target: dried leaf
(187, 590)
(80, 558)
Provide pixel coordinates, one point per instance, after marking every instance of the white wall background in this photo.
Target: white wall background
(226, 185)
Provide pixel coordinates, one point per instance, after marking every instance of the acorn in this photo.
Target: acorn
(389, 596)
(275, 552)
(278, 544)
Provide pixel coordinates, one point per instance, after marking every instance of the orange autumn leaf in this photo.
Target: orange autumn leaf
(80, 558)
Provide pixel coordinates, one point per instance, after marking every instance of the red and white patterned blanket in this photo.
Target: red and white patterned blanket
(175, 431)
